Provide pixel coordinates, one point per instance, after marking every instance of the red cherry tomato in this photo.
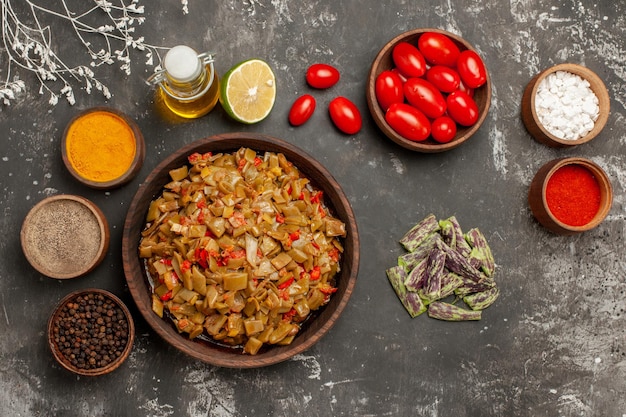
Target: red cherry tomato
(466, 89)
(462, 108)
(397, 71)
(408, 122)
(471, 69)
(438, 49)
(408, 59)
(424, 96)
(322, 76)
(301, 110)
(345, 115)
(388, 89)
(443, 129)
(444, 78)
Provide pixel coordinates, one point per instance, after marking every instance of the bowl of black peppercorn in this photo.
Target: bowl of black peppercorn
(91, 332)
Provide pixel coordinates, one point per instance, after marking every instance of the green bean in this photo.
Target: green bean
(461, 244)
(455, 262)
(414, 237)
(417, 277)
(411, 259)
(450, 312)
(482, 300)
(410, 300)
(434, 271)
(449, 283)
(448, 233)
(481, 250)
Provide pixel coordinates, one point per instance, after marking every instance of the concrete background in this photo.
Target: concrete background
(554, 344)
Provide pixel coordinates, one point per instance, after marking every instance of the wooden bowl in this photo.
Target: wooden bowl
(384, 61)
(65, 236)
(75, 355)
(313, 329)
(104, 126)
(539, 204)
(531, 119)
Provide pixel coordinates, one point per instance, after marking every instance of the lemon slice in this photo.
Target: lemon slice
(248, 91)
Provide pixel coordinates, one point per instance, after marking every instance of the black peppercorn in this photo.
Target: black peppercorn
(90, 331)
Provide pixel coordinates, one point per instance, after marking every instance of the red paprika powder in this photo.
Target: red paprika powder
(573, 195)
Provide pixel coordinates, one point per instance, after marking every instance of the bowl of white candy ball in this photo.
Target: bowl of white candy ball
(565, 105)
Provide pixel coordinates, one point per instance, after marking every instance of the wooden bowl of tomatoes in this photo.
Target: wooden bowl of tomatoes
(428, 90)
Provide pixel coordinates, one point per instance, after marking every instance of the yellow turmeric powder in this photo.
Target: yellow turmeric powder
(100, 146)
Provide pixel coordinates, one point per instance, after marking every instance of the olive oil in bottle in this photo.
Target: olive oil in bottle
(188, 85)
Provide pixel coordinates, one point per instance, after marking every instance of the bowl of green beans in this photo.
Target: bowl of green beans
(240, 250)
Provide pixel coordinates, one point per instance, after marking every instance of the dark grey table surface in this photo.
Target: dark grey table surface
(554, 344)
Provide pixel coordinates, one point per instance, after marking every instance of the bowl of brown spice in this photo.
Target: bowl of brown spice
(65, 236)
(91, 332)
(103, 148)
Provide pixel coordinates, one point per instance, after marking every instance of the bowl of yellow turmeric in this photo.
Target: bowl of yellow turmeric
(102, 148)
(240, 250)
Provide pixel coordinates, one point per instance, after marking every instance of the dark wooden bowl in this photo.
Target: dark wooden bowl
(313, 330)
(134, 167)
(531, 119)
(53, 331)
(539, 205)
(65, 236)
(384, 61)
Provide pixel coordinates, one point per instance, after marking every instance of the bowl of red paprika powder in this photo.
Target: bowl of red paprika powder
(570, 195)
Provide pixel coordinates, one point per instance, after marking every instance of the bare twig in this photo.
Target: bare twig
(31, 48)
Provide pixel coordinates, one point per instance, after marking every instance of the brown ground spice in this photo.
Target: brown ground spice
(63, 236)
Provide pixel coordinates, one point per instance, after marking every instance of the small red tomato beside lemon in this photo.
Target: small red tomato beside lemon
(388, 89)
(408, 122)
(345, 115)
(322, 76)
(301, 110)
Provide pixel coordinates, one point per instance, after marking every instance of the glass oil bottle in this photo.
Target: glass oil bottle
(188, 84)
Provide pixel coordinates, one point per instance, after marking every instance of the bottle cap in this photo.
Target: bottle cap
(182, 64)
